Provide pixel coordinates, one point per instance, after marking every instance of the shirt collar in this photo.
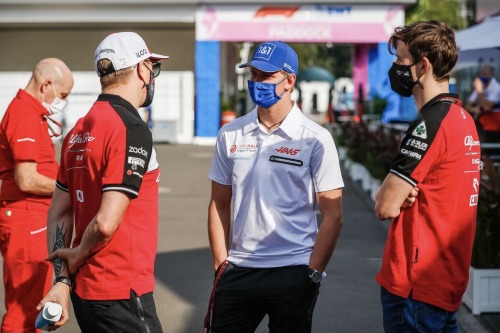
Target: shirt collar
(292, 121)
(253, 124)
(289, 126)
(445, 97)
(115, 99)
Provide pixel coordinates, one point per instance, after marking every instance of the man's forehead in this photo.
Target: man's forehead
(402, 51)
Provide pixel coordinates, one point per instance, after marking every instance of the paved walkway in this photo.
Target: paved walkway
(349, 296)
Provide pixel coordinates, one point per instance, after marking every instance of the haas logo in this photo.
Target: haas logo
(288, 151)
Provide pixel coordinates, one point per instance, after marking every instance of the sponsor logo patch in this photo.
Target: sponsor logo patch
(469, 142)
(420, 131)
(411, 154)
(80, 138)
(265, 51)
(417, 144)
(141, 53)
(140, 150)
(288, 151)
(136, 161)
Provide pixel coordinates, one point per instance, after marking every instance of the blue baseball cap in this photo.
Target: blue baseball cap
(272, 57)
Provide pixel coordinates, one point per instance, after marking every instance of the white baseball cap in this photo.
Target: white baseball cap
(123, 49)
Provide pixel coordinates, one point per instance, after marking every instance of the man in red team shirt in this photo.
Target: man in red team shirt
(431, 191)
(27, 181)
(108, 180)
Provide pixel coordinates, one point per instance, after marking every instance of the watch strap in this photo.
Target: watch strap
(65, 280)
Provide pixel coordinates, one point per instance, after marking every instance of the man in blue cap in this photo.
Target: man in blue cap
(276, 167)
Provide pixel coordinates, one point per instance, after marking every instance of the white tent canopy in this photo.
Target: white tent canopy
(484, 35)
(480, 43)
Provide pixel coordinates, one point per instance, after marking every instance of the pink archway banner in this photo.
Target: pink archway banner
(298, 23)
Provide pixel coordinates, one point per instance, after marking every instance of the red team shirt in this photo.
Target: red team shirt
(429, 244)
(111, 149)
(24, 138)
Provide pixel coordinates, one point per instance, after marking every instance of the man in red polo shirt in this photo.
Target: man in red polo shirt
(431, 191)
(27, 180)
(108, 181)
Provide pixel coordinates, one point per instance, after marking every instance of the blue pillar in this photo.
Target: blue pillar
(207, 77)
(398, 109)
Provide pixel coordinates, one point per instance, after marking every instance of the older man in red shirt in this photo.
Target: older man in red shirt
(27, 181)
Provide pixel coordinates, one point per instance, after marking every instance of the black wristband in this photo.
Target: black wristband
(65, 280)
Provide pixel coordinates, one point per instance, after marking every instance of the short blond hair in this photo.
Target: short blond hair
(121, 76)
(287, 75)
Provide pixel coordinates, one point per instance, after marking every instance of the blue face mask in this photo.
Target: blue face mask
(485, 79)
(263, 93)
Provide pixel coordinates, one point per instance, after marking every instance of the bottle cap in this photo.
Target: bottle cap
(53, 310)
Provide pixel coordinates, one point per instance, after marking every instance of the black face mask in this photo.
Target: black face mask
(402, 80)
(150, 87)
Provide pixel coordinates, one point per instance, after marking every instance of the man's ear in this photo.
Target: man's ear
(290, 81)
(45, 86)
(141, 72)
(425, 65)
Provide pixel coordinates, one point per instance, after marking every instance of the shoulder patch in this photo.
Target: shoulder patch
(420, 131)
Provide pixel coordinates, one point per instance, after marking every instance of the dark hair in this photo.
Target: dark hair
(430, 39)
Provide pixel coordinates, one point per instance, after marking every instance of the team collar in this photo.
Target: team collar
(289, 125)
(445, 97)
(118, 100)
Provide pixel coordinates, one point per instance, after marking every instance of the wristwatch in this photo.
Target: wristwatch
(315, 275)
(65, 280)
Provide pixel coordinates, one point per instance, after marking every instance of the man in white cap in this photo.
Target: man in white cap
(108, 180)
(275, 167)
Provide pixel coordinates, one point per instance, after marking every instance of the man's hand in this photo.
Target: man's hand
(59, 293)
(410, 200)
(71, 256)
(478, 85)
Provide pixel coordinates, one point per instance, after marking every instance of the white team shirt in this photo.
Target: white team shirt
(274, 179)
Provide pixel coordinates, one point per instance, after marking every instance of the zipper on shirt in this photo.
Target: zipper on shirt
(416, 256)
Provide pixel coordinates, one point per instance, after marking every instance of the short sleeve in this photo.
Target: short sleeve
(423, 146)
(325, 166)
(127, 156)
(24, 136)
(220, 169)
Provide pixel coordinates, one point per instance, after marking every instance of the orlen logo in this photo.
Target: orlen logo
(139, 150)
(469, 142)
(141, 53)
(288, 151)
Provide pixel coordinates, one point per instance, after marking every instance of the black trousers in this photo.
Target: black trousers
(243, 296)
(134, 315)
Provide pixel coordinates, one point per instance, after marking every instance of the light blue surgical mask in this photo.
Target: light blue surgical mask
(263, 93)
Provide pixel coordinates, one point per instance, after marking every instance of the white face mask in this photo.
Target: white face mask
(57, 104)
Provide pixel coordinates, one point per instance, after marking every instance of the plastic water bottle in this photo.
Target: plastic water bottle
(50, 314)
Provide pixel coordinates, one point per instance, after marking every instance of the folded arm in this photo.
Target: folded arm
(394, 194)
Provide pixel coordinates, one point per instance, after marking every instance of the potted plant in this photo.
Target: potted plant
(483, 290)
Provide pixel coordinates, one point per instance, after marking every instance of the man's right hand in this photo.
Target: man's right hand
(59, 293)
(410, 200)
